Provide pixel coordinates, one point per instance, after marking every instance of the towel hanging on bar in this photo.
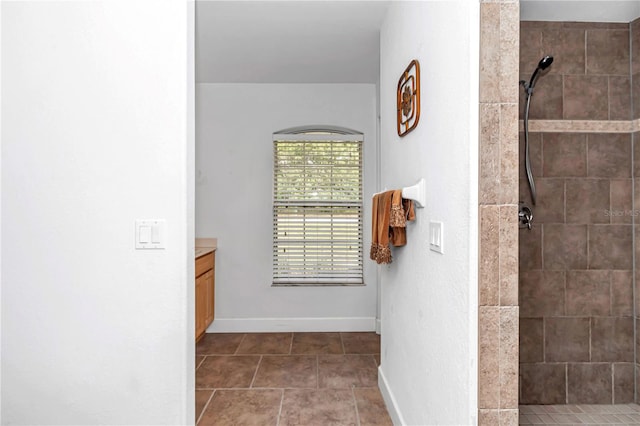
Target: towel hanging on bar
(389, 215)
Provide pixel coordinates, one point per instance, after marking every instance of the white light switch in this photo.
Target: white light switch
(436, 237)
(150, 234)
(155, 234)
(145, 234)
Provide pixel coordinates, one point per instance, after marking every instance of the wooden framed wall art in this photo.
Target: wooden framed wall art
(408, 98)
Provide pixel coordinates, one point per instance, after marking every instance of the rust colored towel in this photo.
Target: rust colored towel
(390, 213)
(373, 252)
(401, 211)
(380, 251)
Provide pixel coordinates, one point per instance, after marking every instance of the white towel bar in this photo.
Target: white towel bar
(416, 193)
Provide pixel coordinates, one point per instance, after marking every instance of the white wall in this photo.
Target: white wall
(94, 135)
(429, 300)
(234, 175)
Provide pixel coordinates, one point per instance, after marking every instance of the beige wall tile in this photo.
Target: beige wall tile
(508, 255)
(490, 171)
(509, 156)
(509, 417)
(509, 357)
(489, 256)
(509, 46)
(488, 417)
(488, 357)
(498, 198)
(489, 52)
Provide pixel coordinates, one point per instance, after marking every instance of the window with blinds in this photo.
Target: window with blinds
(317, 207)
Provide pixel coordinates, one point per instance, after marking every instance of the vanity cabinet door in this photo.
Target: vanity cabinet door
(205, 293)
(209, 297)
(201, 309)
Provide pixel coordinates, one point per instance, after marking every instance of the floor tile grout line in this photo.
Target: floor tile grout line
(317, 371)
(280, 409)
(342, 344)
(355, 405)
(205, 407)
(280, 388)
(240, 344)
(291, 344)
(255, 373)
(204, 357)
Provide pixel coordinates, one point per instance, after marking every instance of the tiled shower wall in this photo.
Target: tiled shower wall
(576, 264)
(635, 68)
(635, 80)
(498, 208)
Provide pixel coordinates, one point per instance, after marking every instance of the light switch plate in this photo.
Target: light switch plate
(436, 242)
(150, 234)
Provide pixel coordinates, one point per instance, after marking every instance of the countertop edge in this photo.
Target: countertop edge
(203, 251)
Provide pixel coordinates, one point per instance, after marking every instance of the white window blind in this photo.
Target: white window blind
(317, 208)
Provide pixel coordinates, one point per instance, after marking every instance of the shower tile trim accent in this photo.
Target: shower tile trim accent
(582, 126)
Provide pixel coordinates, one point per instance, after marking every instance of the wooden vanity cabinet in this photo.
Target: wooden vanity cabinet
(205, 292)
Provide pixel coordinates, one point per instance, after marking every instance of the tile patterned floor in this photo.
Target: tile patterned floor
(619, 414)
(289, 379)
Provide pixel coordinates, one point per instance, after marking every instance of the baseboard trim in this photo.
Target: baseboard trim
(266, 325)
(389, 400)
(378, 326)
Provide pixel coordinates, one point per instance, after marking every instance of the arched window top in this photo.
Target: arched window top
(317, 129)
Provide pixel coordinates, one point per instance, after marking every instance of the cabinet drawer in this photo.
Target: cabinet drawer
(204, 263)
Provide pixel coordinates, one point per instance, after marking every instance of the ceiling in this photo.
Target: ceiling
(288, 41)
(323, 41)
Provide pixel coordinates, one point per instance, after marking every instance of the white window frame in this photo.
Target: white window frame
(296, 260)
